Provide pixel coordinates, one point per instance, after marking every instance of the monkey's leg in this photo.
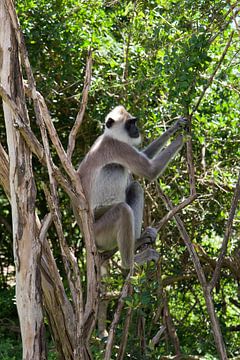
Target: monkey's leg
(115, 228)
(135, 199)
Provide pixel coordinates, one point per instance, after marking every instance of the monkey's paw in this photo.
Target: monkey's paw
(146, 255)
(186, 138)
(183, 123)
(151, 233)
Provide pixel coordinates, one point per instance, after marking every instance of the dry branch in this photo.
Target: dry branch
(80, 115)
(123, 344)
(174, 211)
(202, 279)
(186, 239)
(227, 235)
(170, 327)
(31, 140)
(155, 340)
(54, 294)
(125, 291)
(4, 171)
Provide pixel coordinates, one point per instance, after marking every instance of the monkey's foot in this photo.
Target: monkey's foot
(146, 255)
(148, 237)
(106, 255)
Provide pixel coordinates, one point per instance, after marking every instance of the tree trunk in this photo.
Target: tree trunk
(23, 193)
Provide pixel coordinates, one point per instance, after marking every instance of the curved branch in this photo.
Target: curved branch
(80, 115)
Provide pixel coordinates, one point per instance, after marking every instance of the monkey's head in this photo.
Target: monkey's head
(120, 125)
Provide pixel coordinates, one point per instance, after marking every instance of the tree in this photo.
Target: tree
(22, 192)
(74, 342)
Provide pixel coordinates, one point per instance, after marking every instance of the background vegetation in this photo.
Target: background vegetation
(157, 58)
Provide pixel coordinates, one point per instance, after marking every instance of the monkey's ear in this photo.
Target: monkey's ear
(109, 122)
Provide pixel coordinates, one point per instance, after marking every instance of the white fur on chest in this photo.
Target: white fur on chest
(114, 180)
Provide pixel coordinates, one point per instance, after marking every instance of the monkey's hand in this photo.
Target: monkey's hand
(182, 124)
(186, 138)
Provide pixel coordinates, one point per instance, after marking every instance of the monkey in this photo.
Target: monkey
(115, 199)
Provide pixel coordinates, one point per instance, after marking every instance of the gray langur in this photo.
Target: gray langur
(114, 198)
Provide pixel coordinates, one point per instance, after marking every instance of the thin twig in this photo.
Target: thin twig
(220, 346)
(234, 16)
(227, 235)
(186, 238)
(80, 115)
(210, 80)
(125, 291)
(191, 170)
(170, 327)
(174, 211)
(123, 345)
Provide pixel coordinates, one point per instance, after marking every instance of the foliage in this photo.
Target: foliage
(156, 57)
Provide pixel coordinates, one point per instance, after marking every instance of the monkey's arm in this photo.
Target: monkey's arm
(141, 165)
(109, 151)
(156, 146)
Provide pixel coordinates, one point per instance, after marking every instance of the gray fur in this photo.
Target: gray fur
(116, 201)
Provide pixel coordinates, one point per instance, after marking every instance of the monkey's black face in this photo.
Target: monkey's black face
(132, 128)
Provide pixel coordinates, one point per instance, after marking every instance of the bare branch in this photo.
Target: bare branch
(155, 340)
(202, 279)
(234, 16)
(191, 170)
(123, 345)
(125, 291)
(33, 143)
(4, 171)
(170, 327)
(210, 80)
(227, 235)
(80, 115)
(70, 263)
(174, 211)
(45, 225)
(185, 238)
(40, 107)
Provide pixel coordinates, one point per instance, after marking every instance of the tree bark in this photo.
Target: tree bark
(23, 193)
